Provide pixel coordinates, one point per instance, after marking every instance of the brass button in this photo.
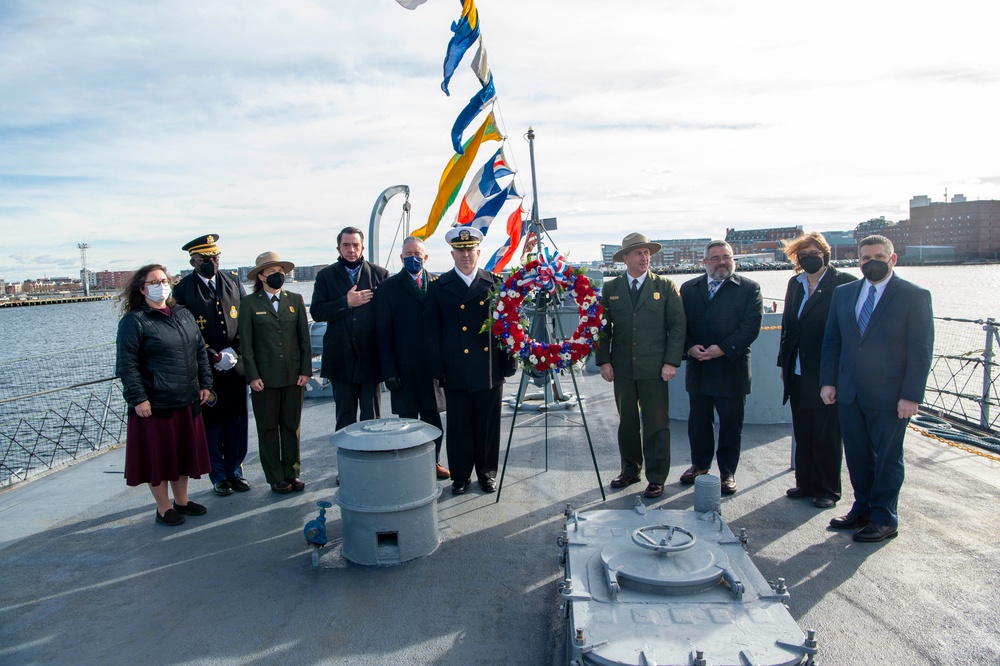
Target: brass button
(466, 351)
(465, 328)
(486, 349)
(480, 302)
(462, 306)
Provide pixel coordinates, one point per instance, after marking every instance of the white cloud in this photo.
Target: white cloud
(274, 124)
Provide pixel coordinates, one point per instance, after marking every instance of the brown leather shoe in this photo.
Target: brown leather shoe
(688, 477)
(442, 472)
(282, 487)
(621, 481)
(296, 484)
(728, 484)
(654, 490)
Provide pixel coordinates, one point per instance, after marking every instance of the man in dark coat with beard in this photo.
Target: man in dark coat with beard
(343, 297)
(213, 297)
(399, 316)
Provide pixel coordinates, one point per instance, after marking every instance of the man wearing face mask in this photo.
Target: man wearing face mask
(343, 297)
(818, 447)
(723, 312)
(213, 297)
(399, 317)
(875, 361)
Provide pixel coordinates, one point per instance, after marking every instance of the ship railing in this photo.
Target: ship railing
(57, 408)
(964, 382)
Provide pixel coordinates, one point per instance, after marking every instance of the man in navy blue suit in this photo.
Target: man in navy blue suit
(875, 360)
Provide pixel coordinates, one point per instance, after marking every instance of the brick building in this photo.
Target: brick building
(971, 227)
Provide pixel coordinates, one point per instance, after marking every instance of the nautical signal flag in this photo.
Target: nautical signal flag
(476, 104)
(515, 232)
(454, 173)
(483, 185)
(466, 30)
(490, 208)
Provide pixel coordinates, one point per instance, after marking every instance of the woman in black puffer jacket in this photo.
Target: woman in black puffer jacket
(163, 367)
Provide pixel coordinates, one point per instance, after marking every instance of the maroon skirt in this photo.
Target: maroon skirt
(165, 448)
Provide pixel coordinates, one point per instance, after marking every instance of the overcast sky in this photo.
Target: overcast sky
(136, 127)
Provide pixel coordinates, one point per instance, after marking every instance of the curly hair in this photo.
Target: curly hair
(131, 296)
(792, 247)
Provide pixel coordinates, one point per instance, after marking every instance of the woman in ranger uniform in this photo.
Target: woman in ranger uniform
(277, 359)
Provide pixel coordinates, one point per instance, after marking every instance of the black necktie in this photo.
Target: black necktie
(211, 287)
(634, 292)
(274, 302)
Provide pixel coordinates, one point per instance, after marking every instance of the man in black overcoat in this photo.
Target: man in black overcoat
(467, 362)
(723, 312)
(213, 297)
(343, 297)
(399, 317)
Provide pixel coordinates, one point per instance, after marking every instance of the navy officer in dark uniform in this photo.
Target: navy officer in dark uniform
(213, 297)
(467, 362)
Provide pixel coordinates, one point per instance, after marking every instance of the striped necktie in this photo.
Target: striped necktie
(713, 286)
(866, 310)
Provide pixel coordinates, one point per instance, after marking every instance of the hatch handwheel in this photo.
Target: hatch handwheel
(645, 537)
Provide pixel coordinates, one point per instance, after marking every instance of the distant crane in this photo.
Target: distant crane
(83, 272)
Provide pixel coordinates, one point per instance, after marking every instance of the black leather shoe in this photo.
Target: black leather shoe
(728, 484)
(296, 484)
(239, 484)
(190, 509)
(488, 485)
(654, 490)
(851, 521)
(873, 532)
(621, 481)
(797, 492)
(693, 472)
(824, 503)
(281, 487)
(459, 487)
(223, 488)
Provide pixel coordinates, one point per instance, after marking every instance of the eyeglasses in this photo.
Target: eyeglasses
(803, 255)
(162, 282)
(715, 260)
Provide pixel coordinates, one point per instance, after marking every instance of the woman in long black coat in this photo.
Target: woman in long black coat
(818, 446)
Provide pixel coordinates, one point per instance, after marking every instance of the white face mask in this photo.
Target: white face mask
(158, 293)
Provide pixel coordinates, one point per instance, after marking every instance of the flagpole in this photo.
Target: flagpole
(536, 224)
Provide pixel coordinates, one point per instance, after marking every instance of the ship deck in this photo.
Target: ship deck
(87, 577)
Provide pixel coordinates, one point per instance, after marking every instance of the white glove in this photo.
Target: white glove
(228, 360)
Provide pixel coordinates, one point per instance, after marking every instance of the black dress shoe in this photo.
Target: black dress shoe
(797, 492)
(621, 481)
(223, 488)
(873, 532)
(190, 509)
(459, 487)
(281, 487)
(824, 503)
(171, 518)
(693, 472)
(239, 484)
(728, 484)
(654, 490)
(488, 485)
(851, 521)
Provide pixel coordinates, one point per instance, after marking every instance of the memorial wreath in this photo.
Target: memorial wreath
(509, 324)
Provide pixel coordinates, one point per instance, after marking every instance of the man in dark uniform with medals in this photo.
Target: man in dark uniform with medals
(467, 362)
(213, 297)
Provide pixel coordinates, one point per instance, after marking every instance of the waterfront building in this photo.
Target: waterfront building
(677, 252)
(748, 241)
(109, 280)
(971, 227)
(842, 245)
(897, 232)
(608, 252)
